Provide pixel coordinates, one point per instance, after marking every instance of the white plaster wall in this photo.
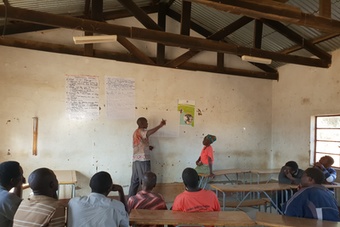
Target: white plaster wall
(300, 93)
(237, 110)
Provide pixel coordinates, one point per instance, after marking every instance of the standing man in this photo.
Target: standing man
(141, 152)
(10, 177)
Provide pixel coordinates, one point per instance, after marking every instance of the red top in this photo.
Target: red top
(200, 201)
(205, 153)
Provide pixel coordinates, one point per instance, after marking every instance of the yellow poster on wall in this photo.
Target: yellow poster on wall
(187, 112)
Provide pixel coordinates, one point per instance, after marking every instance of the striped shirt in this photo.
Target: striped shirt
(146, 200)
(40, 210)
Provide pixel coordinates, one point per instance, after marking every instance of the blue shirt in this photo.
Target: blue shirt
(96, 210)
(9, 204)
(315, 202)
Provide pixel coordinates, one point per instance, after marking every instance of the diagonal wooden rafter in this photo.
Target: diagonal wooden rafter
(142, 17)
(290, 34)
(219, 35)
(135, 51)
(204, 32)
(166, 38)
(314, 41)
(57, 48)
(272, 10)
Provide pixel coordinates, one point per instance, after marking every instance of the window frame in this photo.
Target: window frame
(315, 140)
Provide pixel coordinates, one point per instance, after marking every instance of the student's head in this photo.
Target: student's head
(149, 181)
(312, 176)
(326, 161)
(43, 181)
(101, 182)
(142, 122)
(11, 174)
(190, 178)
(209, 139)
(292, 166)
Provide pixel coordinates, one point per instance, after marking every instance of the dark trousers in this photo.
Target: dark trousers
(138, 170)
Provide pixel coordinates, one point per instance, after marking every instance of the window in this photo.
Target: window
(327, 138)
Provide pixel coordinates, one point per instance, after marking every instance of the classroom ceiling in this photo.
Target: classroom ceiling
(302, 32)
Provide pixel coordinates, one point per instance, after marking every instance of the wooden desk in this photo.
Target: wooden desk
(223, 172)
(67, 177)
(249, 188)
(168, 217)
(271, 172)
(269, 219)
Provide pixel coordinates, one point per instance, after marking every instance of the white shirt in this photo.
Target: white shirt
(96, 210)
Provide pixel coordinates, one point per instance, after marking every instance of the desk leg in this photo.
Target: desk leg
(228, 178)
(200, 182)
(73, 190)
(272, 202)
(244, 198)
(223, 197)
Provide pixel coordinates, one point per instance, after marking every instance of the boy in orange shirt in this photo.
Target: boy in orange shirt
(206, 159)
(195, 199)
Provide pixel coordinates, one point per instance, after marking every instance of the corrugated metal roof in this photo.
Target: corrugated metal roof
(71, 7)
(214, 20)
(211, 19)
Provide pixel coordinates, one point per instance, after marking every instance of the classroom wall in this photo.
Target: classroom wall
(235, 109)
(300, 93)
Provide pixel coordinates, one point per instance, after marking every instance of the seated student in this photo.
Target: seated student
(324, 164)
(313, 200)
(11, 176)
(206, 159)
(146, 199)
(195, 199)
(97, 209)
(43, 207)
(290, 173)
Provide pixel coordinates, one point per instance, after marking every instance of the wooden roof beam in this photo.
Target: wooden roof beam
(273, 10)
(186, 18)
(57, 48)
(166, 38)
(325, 8)
(139, 14)
(292, 35)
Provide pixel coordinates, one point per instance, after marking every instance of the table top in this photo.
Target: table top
(66, 176)
(250, 187)
(169, 217)
(226, 171)
(265, 171)
(270, 219)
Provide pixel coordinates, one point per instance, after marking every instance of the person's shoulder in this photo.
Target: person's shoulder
(8, 196)
(181, 195)
(156, 194)
(208, 192)
(76, 199)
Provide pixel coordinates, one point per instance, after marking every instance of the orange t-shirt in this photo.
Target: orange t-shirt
(200, 201)
(205, 153)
